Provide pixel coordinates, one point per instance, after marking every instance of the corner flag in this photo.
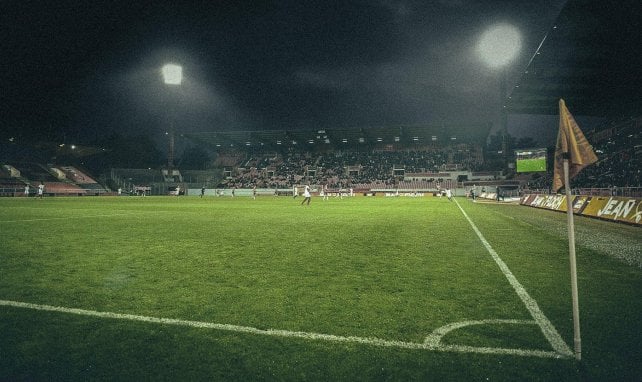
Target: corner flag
(572, 154)
(572, 144)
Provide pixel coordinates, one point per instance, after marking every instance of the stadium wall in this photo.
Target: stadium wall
(612, 208)
(248, 192)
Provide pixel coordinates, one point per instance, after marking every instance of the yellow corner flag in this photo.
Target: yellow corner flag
(572, 144)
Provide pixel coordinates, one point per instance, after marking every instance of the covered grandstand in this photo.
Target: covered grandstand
(590, 57)
(57, 180)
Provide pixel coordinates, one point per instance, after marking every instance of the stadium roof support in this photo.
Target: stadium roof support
(348, 137)
(590, 58)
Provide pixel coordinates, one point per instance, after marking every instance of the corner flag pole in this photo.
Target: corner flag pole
(577, 340)
(573, 152)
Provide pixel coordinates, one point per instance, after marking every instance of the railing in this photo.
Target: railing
(12, 191)
(614, 191)
(52, 191)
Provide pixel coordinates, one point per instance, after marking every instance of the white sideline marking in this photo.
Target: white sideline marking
(64, 218)
(432, 344)
(545, 325)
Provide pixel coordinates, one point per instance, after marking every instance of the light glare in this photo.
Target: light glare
(499, 45)
(173, 74)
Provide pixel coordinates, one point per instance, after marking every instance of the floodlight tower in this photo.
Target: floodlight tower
(172, 76)
(498, 46)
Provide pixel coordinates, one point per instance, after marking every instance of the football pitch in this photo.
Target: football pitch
(189, 288)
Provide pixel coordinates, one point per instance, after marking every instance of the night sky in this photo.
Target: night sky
(75, 70)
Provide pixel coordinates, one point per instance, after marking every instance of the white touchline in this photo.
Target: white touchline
(65, 218)
(545, 325)
(432, 341)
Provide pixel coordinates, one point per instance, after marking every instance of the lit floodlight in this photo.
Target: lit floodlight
(172, 74)
(499, 45)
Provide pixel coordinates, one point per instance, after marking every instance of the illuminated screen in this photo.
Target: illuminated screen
(530, 160)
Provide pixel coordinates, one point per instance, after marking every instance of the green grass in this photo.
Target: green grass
(394, 269)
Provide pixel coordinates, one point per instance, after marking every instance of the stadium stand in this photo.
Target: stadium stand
(10, 184)
(619, 149)
(428, 167)
(361, 170)
(34, 172)
(618, 171)
(84, 181)
(64, 180)
(361, 159)
(63, 188)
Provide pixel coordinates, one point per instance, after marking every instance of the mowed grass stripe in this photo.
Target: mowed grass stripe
(394, 269)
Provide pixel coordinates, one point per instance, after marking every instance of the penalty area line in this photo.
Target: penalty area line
(428, 345)
(546, 326)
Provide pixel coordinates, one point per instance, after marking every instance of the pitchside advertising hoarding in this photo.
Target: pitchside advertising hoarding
(614, 208)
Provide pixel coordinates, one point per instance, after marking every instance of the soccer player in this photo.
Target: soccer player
(449, 194)
(306, 195)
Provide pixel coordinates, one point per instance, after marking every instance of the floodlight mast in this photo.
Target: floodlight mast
(172, 75)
